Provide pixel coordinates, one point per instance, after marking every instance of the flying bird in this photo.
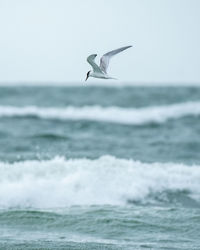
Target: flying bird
(101, 70)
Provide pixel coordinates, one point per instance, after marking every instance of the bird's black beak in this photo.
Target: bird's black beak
(88, 74)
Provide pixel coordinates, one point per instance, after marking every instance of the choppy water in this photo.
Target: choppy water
(99, 167)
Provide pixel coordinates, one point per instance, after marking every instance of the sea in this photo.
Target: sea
(99, 167)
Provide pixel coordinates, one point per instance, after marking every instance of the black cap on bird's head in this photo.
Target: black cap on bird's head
(88, 74)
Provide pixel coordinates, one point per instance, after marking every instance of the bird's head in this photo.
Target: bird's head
(88, 74)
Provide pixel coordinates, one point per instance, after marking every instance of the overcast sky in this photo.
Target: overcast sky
(49, 40)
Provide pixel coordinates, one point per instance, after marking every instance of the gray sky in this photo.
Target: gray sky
(49, 40)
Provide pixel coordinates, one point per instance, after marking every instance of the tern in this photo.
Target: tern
(101, 70)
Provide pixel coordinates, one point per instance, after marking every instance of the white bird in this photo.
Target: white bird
(101, 70)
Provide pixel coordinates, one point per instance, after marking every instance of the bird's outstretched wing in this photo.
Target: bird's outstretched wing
(104, 61)
(91, 61)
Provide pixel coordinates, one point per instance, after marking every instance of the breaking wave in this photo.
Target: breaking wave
(129, 116)
(107, 180)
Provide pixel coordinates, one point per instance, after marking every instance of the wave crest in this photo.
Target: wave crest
(129, 116)
(107, 180)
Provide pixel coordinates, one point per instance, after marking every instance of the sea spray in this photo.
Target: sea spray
(104, 181)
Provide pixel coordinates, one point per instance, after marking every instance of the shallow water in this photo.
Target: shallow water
(99, 167)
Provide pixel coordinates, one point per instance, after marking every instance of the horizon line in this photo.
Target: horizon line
(99, 83)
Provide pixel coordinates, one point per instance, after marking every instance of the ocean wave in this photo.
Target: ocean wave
(129, 116)
(107, 180)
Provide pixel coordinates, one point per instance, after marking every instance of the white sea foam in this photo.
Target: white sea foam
(131, 116)
(107, 180)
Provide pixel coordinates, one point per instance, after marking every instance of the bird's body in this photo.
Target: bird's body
(101, 70)
(100, 75)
